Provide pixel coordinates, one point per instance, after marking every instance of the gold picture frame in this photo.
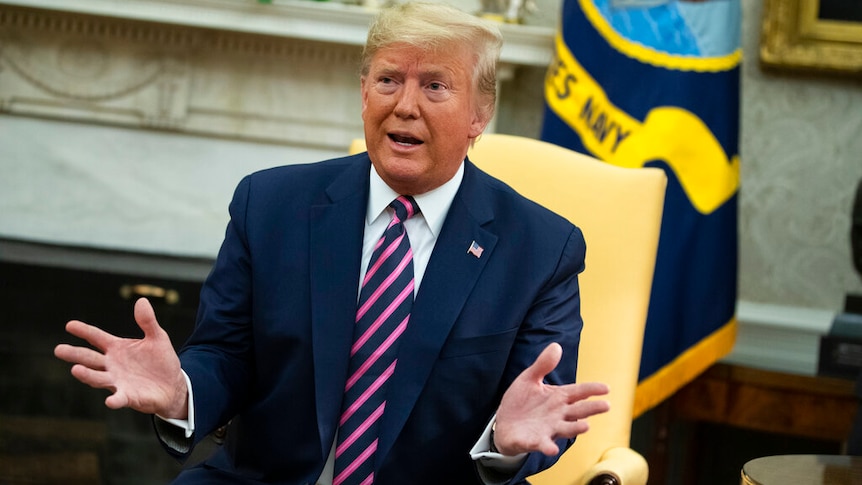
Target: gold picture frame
(795, 37)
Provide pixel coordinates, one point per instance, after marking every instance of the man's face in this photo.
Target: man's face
(420, 115)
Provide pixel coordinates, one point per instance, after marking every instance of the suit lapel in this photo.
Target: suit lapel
(449, 278)
(336, 249)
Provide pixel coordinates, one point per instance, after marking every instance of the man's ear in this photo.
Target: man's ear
(477, 126)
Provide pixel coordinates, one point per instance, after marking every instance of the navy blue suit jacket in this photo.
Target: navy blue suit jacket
(270, 349)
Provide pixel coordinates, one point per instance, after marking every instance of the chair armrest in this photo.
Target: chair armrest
(618, 466)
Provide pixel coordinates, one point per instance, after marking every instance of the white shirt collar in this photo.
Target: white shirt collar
(433, 204)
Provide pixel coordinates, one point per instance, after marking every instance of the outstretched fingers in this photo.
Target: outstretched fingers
(548, 447)
(584, 390)
(544, 364)
(584, 409)
(80, 355)
(93, 335)
(117, 400)
(145, 316)
(93, 378)
(579, 405)
(571, 429)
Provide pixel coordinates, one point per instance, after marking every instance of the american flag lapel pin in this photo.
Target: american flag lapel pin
(475, 249)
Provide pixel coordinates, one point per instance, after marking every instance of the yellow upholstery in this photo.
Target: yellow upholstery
(619, 211)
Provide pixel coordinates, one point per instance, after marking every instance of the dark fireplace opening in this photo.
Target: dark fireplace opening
(53, 429)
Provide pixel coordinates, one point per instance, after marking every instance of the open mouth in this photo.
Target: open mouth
(405, 140)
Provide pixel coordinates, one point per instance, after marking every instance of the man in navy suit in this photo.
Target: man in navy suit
(485, 372)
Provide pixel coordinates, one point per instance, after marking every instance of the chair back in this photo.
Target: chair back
(619, 211)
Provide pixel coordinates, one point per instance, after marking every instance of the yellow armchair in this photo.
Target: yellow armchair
(619, 211)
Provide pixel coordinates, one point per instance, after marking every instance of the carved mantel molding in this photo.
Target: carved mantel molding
(228, 68)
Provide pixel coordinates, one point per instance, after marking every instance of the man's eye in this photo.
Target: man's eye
(435, 86)
(386, 80)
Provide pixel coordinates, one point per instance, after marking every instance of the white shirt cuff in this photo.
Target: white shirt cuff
(188, 424)
(494, 467)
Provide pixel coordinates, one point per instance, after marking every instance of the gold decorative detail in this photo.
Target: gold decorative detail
(794, 37)
(171, 297)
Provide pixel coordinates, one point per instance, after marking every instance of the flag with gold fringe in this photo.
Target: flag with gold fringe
(656, 83)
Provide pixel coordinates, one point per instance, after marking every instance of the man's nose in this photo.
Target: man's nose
(408, 101)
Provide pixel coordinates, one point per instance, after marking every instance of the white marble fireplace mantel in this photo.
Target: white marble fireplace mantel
(334, 22)
(125, 125)
(284, 72)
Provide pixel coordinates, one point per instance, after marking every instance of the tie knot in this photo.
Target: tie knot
(405, 207)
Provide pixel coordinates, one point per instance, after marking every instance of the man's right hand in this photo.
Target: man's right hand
(142, 374)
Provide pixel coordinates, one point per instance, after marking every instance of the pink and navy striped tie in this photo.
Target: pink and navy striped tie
(384, 310)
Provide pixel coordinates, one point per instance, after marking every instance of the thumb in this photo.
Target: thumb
(545, 363)
(145, 316)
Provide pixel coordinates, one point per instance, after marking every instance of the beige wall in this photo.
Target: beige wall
(801, 153)
(801, 161)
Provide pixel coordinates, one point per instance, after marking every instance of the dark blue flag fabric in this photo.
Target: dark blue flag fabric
(656, 83)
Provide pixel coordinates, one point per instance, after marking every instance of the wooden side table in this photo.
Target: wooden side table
(803, 470)
(805, 406)
(799, 407)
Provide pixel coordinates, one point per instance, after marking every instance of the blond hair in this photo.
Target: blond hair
(435, 27)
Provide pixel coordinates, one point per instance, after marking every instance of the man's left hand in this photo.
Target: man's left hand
(533, 414)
